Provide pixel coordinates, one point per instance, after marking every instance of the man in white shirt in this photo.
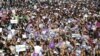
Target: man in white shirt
(38, 49)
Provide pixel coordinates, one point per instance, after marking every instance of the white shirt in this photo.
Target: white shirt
(12, 48)
(38, 49)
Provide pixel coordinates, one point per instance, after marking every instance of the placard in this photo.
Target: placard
(14, 21)
(76, 35)
(20, 48)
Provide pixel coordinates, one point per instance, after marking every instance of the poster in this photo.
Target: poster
(14, 21)
(76, 35)
(20, 48)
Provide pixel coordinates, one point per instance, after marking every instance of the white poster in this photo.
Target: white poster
(20, 48)
(76, 35)
(14, 21)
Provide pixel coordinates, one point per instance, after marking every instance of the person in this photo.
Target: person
(38, 49)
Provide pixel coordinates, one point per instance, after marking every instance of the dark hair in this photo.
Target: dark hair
(46, 43)
(64, 39)
(37, 42)
(98, 20)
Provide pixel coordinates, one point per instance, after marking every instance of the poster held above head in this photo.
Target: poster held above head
(20, 48)
(76, 35)
(13, 21)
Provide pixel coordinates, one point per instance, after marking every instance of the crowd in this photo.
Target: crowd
(57, 29)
